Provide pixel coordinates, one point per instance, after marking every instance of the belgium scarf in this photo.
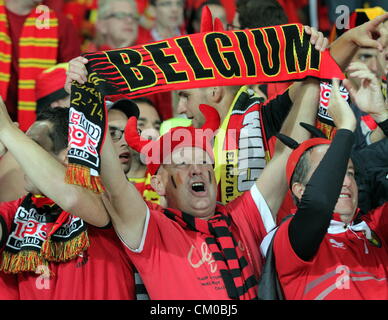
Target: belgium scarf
(272, 54)
(41, 232)
(238, 277)
(38, 50)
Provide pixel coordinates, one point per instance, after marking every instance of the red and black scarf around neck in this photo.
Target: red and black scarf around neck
(227, 58)
(237, 275)
(41, 232)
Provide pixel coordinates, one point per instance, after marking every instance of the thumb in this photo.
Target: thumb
(335, 86)
(350, 88)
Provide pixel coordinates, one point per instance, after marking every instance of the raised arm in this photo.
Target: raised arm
(272, 182)
(126, 206)
(309, 226)
(344, 48)
(368, 97)
(48, 174)
(3, 151)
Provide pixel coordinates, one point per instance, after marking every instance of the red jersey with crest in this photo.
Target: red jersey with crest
(176, 263)
(101, 272)
(347, 265)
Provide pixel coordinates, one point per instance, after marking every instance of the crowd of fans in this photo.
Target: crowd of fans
(169, 230)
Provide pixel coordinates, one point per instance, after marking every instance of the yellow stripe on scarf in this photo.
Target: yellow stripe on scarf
(5, 38)
(4, 76)
(38, 42)
(32, 22)
(5, 57)
(36, 63)
(26, 84)
(27, 105)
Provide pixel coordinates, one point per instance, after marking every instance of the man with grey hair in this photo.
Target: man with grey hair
(117, 24)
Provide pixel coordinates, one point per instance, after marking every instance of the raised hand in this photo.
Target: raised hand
(339, 110)
(77, 71)
(317, 38)
(366, 34)
(368, 97)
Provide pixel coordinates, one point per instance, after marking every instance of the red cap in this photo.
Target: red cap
(294, 157)
(50, 84)
(156, 151)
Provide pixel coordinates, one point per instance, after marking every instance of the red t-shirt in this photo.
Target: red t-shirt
(101, 272)
(175, 263)
(346, 267)
(69, 47)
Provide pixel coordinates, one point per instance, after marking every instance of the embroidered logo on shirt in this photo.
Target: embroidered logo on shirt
(206, 257)
(336, 244)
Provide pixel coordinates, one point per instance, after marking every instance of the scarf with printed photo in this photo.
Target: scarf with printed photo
(42, 232)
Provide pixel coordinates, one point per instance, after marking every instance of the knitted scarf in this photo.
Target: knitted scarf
(272, 54)
(238, 277)
(38, 50)
(41, 233)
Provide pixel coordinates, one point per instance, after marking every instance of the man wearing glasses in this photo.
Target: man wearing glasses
(118, 115)
(117, 24)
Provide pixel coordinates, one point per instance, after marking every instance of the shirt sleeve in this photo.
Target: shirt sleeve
(275, 112)
(251, 212)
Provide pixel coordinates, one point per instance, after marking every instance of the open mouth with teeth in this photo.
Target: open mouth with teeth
(198, 187)
(344, 195)
(124, 157)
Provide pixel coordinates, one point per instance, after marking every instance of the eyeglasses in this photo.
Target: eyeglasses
(116, 133)
(170, 4)
(122, 16)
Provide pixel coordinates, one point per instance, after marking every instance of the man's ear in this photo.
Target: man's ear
(215, 94)
(297, 189)
(158, 185)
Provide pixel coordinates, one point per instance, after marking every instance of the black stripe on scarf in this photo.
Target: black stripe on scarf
(217, 240)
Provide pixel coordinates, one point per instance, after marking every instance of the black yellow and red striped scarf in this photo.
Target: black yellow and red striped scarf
(38, 50)
(41, 232)
(236, 273)
(271, 54)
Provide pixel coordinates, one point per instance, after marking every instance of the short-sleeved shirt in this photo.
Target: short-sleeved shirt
(101, 272)
(346, 266)
(176, 263)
